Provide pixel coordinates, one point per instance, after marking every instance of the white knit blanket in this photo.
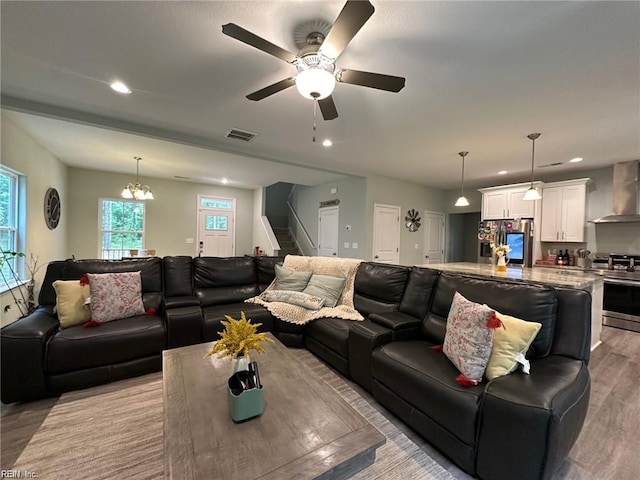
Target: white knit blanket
(336, 267)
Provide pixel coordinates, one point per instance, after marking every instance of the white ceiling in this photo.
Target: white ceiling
(480, 76)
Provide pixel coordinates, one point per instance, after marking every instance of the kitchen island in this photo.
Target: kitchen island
(566, 278)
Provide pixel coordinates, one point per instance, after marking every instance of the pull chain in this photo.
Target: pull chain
(315, 107)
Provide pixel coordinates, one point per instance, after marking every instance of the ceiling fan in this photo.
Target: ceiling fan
(315, 62)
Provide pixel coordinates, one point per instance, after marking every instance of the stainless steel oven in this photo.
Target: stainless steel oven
(621, 302)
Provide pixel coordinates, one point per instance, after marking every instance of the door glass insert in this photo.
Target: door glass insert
(216, 222)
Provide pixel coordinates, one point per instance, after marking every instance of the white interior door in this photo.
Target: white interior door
(328, 225)
(216, 232)
(386, 233)
(433, 237)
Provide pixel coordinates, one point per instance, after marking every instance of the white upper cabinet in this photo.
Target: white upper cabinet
(506, 202)
(563, 211)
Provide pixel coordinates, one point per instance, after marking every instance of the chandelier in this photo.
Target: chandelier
(135, 190)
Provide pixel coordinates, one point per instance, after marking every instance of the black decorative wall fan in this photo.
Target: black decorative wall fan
(315, 62)
(412, 220)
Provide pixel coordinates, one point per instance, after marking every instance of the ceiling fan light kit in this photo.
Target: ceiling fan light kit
(462, 200)
(315, 61)
(532, 193)
(135, 190)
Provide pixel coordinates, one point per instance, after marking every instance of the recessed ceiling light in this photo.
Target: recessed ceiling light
(121, 88)
(224, 180)
(327, 143)
(502, 172)
(575, 160)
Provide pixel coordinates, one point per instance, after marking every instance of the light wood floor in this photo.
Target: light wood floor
(607, 449)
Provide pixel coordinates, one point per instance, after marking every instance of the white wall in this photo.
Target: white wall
(171, 217)
(24, 154)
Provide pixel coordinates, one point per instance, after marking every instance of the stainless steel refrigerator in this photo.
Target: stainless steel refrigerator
(518, 234)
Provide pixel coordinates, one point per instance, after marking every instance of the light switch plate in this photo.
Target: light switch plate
(346, 244)
(354, 245)
(189, 240)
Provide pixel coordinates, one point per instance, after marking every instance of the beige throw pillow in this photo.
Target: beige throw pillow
(509, 344)
(70, 302)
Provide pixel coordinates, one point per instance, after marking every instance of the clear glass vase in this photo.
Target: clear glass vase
(241, 362)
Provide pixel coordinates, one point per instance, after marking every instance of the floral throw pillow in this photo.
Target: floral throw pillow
(468, 339)
(115, 296)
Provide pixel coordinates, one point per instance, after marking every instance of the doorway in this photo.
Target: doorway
(216, 226)
(462, 237)
(386, 233)
(328, 225)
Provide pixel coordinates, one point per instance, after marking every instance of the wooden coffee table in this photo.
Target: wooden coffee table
(306, 431)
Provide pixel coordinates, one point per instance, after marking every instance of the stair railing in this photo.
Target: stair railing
(301, 228)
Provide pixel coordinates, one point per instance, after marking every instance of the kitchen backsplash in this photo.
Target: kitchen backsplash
(616, 238)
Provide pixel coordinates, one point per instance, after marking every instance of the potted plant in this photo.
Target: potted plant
(22, 291)
(237, 339)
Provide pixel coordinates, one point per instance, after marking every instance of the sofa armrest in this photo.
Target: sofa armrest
(364, 337)
(184, 324)
(179, 302)
(530, 422)
(403, 325)
(23, 355)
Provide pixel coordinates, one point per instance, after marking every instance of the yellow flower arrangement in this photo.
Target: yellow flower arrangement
(500, 250)
(238, 338)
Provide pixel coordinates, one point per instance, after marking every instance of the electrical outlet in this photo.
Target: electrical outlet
(354, 245)
(189, 240)
(416, 246)
(346, 244)
(334, 190)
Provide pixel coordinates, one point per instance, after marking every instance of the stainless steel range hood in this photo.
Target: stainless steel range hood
(625, 194)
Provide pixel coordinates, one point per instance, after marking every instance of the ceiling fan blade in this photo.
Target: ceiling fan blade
(271, 89)
(353, 16)
(371, 80)
(328, 108)
(245, 36)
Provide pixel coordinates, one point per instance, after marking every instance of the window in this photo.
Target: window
(216, 203)
(122, 227)
(217, 222)
(9, 231)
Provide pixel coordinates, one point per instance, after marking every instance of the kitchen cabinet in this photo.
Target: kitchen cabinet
(506, 202)
(563, 211)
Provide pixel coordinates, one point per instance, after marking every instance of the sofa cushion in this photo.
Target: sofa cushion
(288, 279)
(115, 296)
(215, 314)
(425, 378)
(220, 281)
(378, 287)
(330, 332)
(77, 348)
(467, 342)
(71, 298)
(508, 343)
(327, 287)
(533, 303)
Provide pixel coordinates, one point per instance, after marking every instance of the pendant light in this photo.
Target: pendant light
(135, 190)
(532, 193)
(462, 200)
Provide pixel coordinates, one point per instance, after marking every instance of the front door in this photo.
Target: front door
(328, 224)
(433, 237)
(386, 234)
(216, 227)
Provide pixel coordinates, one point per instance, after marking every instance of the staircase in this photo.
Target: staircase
(287, 244)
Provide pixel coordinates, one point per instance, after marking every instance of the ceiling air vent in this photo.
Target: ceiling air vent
(242, 135)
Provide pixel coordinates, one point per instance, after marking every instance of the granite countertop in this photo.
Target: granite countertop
(565, 278)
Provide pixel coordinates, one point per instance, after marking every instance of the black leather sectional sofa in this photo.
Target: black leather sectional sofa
(514, 427)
